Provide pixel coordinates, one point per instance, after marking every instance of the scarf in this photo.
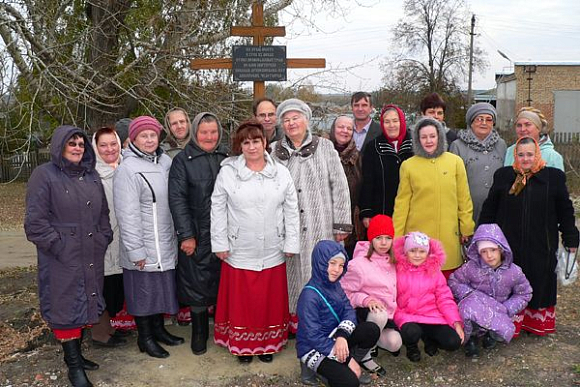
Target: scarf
(467, 136)
(522, 176)
(348, 155)
(395, 142)
(154, 158)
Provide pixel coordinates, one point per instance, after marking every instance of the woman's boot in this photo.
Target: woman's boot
(74, 362)
(160, 333)
(88, 365)
(145, 339)
(199, 331)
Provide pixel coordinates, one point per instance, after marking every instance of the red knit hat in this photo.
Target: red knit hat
(142, 123)
(380, 225)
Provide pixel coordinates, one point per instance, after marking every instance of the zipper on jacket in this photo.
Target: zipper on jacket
(155, 226)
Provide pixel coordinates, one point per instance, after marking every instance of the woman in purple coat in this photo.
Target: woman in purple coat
(67, 218)
(490, 289)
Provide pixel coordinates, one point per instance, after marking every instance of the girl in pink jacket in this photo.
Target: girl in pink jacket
(370, 285)
(425, 306)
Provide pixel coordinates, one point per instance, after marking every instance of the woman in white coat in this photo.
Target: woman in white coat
(254, 228)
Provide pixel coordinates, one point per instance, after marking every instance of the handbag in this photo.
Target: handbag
(567, 267)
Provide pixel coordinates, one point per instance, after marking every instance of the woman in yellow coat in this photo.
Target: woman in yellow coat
(433, 195)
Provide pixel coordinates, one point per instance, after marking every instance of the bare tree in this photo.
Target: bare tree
(431, 43)
(90, 62)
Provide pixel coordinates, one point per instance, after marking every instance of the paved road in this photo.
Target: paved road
(15, 250)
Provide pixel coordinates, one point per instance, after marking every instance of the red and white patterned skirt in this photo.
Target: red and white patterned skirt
(540, 322)
(252, 314)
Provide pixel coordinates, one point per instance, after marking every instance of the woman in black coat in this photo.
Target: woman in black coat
(530, 202)
(67, 218)
(191, 181)
(381, 161)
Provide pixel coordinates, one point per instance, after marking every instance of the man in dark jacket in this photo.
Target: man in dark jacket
(365, 129)
(191, 181)
(264, 110)
(433, 106)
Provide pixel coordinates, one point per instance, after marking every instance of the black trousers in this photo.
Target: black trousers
(443, 335)
(361, 341)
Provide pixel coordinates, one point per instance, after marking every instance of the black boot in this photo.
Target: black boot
(308, 376)
(199, 332)
(431, 347)
(488, 341)
(160, 333)
(87, 364)
(145, 339)
(471, 349)
(74, 362)
(413, 352)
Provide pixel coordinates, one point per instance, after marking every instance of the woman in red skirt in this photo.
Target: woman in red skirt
(254, 228)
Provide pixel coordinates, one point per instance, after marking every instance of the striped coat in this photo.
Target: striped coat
(323, 201)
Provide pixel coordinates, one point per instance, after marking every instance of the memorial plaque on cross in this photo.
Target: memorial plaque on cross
(258, 32)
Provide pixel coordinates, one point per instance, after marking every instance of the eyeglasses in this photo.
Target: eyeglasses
(483, 120)
(266, 115)
(73, 144)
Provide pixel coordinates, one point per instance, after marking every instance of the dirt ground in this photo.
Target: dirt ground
(30, 357)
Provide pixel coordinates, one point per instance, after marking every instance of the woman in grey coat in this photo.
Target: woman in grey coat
(482, 151)
(148, 242)
(67, 218)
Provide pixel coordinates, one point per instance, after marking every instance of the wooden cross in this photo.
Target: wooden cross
(258, 32)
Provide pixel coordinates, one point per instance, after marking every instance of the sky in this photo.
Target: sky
(531, 30)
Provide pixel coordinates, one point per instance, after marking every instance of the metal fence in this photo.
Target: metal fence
(19, 166)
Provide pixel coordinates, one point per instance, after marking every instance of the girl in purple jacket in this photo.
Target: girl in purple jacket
(426, 309)
(490, 289)
(371, 286)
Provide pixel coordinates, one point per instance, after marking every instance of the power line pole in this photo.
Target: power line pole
(469, 89)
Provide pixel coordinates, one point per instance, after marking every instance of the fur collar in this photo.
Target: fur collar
(284, 148)
(441, 143)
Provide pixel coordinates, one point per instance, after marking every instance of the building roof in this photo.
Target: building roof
(504, 77)
(547, 63)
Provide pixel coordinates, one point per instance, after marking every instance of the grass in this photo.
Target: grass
(12, 199)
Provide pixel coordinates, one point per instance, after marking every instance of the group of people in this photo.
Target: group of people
(262, 235)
